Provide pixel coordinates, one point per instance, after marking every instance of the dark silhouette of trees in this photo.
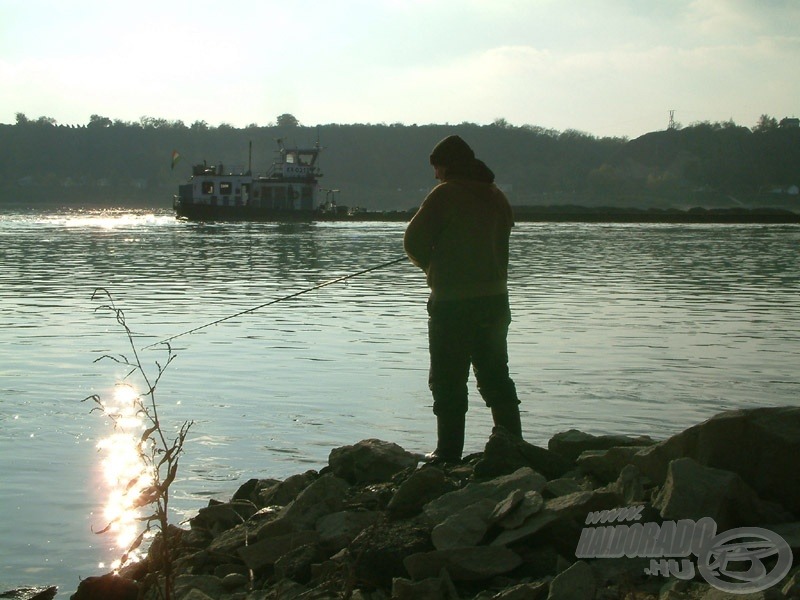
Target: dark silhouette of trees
(765, 123)
(287, 120)
(386, 166)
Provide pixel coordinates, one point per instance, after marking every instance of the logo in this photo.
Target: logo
(739, 561)
(736, 566)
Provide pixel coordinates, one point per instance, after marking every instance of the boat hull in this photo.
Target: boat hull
(207, 212)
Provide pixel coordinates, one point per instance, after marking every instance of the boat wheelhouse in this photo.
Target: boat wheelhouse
(287, 192)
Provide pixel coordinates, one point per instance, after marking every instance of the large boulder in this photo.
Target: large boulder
(282, 492)
(472, 563)
(376, 555)
(218, 517)
(338, 529)
(693, 491)
(572, 443)
(322, 497)
(505, 453)
(466, 527)
(370, 461)
(759, 444)
(606, 465)
(268, 551)
(106, 587)
(575, 583)
(497, 489)
(422, 486)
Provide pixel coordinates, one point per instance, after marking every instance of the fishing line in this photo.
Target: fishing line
(281, 299)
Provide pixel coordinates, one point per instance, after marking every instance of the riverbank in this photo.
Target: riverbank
(552, 213)
(613, 214)
(588, 517)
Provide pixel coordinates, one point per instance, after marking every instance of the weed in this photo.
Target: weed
(158, 452)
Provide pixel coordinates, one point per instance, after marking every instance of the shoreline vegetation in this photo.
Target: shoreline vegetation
(562, 213)
(586, 518)
(385, 168)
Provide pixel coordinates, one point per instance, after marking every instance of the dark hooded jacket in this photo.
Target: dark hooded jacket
(460, 234)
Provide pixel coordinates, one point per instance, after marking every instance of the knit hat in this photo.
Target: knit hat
(450, 151)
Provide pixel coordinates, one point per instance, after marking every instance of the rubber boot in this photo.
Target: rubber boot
(507, 416)
(450, 438)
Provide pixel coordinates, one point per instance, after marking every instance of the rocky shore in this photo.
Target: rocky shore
(588, 517)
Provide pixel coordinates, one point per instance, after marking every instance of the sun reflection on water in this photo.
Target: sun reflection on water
(125, 472)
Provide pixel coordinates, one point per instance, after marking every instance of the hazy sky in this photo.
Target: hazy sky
(605, 67)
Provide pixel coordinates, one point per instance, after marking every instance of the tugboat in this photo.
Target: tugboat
(288, 192)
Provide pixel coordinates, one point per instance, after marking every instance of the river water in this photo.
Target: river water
(633, 329)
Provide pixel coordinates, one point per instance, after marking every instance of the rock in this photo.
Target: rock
(208, 585)
(692, 491)
(606, 465)
(566, 509)
(524, 591)
(572, 443)
(713, 593)
(524, 479)
(283, 492)
(250, 489)
(576, 583)
(221, 516)
(338, 529)
(233, 581)
(31, 593)
(630, 486)
(631, 571)
(376, 555)
(267, 551)
(106, 587)
(791, 589)
(433, 588)
(197, 595)
(284, 589)
(789, 532)
(530, 527)
(231, 539)
(511, 517)
(759, 444)
(296, 564)
(418, 489)
(561, 487)
(274, 526)
(370, 461)
(224, 569)
(463, 564)
(467, 527)
(503, 508)
(503, 538)
(505, 453)
(320, 498)
(578, 505)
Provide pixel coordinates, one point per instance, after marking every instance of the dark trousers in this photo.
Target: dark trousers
(463, 333)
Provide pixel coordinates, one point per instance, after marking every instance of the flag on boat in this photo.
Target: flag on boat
(175, 158)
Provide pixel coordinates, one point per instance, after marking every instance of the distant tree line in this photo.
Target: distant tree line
(382, 166)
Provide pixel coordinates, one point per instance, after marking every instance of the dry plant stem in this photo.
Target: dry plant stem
(156, 451)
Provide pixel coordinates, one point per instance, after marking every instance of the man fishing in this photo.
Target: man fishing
(459, 237)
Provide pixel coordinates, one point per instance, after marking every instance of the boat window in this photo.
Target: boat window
(208, 187)
(225, 188)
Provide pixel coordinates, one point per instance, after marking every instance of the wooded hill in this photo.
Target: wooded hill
(386, 166)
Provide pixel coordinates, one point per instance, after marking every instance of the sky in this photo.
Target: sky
(611, 68)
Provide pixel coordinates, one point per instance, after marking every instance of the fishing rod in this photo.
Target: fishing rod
(281, 299)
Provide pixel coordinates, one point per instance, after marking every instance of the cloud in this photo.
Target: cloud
(610, 67)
